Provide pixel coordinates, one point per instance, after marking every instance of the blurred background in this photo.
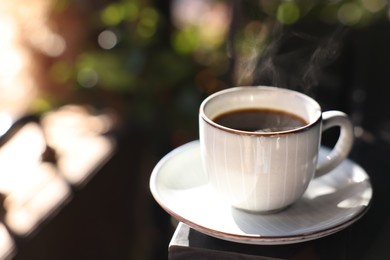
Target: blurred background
(148, 64)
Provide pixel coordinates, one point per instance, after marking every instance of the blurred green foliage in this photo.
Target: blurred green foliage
(135, 57)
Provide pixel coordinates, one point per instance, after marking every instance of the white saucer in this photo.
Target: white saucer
(331, 203)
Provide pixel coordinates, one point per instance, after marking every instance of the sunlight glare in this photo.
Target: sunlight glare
(5, 123)
(318, 190)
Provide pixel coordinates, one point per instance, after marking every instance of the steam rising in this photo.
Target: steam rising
(294, 58)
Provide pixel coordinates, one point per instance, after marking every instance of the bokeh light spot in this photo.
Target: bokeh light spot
(349, 14)
(374, 6)
(288, 13)
(87, 77)
(113, 14)
(185, 41)
(107, 39)
(148, 23)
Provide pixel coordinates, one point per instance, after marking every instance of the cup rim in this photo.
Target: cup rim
(306, 127)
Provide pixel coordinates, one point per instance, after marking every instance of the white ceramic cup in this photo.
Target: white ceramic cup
(267, 171)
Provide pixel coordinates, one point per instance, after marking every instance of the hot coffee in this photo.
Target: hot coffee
(264, 172)
(260, 120)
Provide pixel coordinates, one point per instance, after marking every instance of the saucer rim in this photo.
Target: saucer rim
(251, 238)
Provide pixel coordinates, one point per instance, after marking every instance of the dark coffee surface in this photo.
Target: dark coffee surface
(260, 120)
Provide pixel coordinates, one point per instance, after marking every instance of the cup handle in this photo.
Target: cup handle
(344, 142)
